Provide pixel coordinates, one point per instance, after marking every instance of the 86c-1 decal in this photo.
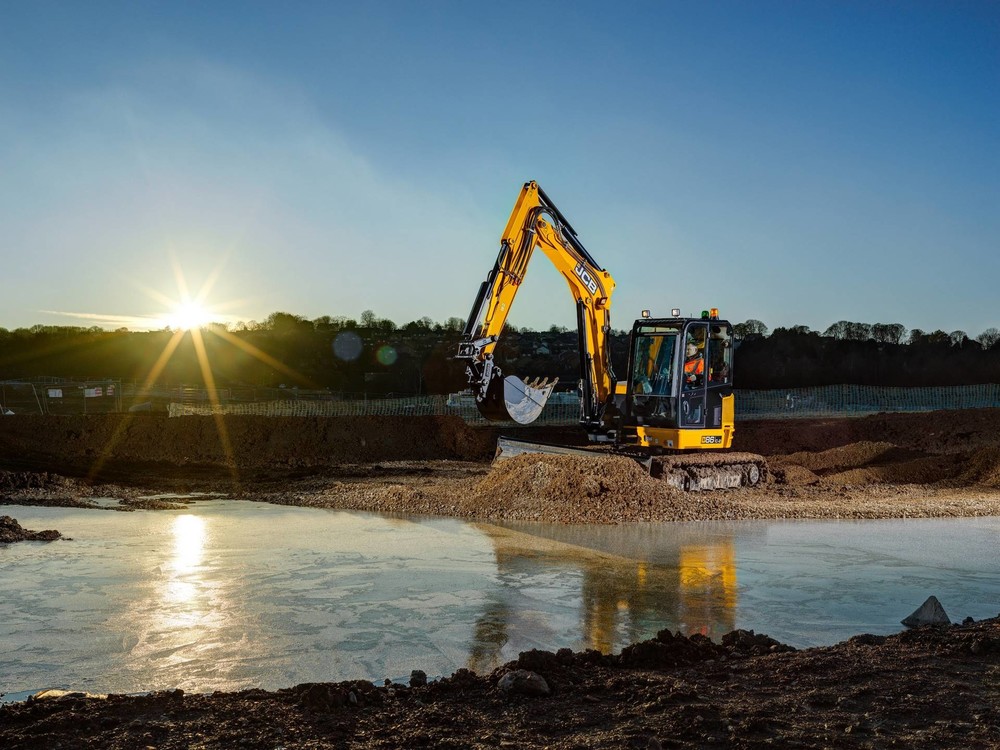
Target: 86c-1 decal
(711, 440)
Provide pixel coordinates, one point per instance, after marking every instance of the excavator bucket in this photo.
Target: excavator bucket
(514, 399)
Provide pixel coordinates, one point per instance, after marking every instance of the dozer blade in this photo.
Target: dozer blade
(509, 447)
(513, 399)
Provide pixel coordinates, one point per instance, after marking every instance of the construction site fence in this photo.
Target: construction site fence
(55, 396)
(564, 409)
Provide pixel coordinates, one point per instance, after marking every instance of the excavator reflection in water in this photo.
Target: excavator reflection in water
(688, 586)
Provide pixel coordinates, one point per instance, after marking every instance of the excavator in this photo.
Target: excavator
(673, 411)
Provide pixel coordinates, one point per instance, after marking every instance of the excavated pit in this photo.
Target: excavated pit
(888, 465)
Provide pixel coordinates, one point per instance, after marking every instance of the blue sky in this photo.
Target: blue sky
(797, 162)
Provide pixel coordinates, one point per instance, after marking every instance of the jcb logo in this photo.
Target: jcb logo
(586, 278)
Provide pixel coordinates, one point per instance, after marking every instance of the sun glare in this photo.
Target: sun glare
(188, 315)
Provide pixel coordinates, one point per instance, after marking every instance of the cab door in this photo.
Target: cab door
(718, 370)
(694, 376)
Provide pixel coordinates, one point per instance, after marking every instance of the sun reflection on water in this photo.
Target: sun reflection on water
(183, 588)
(189, 544)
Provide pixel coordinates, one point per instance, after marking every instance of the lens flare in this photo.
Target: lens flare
(386, 355)
(347, 346)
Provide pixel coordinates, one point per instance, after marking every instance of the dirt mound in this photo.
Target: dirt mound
(570, 477)
(928, 470)
(843, 457)
(983, 467)
(793, 474)
(602, 489)
(952, 431)
(867, 462)
(608, 487)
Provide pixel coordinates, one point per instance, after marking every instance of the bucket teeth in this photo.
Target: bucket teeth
(540, 383)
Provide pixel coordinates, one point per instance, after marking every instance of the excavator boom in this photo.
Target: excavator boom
(535, 222)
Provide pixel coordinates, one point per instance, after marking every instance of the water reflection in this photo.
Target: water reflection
(180, 620)
(708, 587)
(183, 604)
(622, 594)
(212, 598)
(189, 543)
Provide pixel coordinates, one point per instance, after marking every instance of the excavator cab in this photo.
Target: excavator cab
(678, 392)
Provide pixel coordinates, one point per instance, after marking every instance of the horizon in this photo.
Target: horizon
(343, 322)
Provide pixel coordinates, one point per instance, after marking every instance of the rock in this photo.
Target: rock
(524, 682)
(418, 678)
(12, 531)
(929, 613)
(319, 697)
(55, 694)
(748, 643)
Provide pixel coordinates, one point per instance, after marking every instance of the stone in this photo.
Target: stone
(524, 682)
(319, 697)
(12, 531)
(929, 613)
(418, 678)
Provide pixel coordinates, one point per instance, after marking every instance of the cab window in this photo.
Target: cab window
(719, 356)
(694, 356)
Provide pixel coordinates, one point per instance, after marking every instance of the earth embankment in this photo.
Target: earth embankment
(115, 445)
(74, 444)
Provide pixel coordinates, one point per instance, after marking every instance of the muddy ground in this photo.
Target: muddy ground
(925, 688)
(885, 466)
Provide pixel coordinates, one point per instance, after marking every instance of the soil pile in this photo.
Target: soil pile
(922, 688)
(866, 463)
(946, 431)
(576, 489)
(983, 467)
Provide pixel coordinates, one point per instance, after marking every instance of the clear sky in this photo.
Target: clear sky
(793, 162)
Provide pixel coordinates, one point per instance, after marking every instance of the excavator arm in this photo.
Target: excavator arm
(535, 222)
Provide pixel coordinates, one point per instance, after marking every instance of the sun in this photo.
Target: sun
(188, 315)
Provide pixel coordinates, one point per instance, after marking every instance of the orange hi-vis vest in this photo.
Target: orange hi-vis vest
(695, 366)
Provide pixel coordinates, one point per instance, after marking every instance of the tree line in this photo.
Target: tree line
(375, 356)
(881, 333)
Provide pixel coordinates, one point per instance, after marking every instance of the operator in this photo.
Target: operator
(694, 365)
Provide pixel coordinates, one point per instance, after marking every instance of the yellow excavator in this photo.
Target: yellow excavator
(674, 410)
